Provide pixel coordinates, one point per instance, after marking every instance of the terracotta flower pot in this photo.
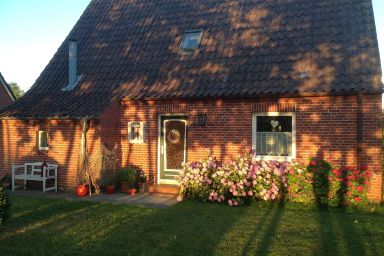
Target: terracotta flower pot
(111, 189)
(82, 190)
(131, 191)
(123, 187)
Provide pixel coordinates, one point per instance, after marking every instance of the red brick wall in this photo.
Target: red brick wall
(18, 145)
(5, 100)
(110, 128)
(325, 127)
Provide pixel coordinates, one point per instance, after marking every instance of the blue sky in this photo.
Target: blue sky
(32, 30)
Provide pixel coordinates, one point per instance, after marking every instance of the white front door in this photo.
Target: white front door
(173, 146)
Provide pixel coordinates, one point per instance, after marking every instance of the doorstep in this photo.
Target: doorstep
(163, 189)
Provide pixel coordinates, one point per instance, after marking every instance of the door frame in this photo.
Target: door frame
(159, 131)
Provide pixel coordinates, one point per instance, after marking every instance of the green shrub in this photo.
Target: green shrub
(5, 205)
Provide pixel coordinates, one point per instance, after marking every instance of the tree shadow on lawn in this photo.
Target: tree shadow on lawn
(94, 228)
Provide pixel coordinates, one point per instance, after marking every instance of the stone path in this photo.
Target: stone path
(140, 199)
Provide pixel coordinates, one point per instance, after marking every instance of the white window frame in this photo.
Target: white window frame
(39, 142)
(254, 127)
(188, 32)
(141, 139)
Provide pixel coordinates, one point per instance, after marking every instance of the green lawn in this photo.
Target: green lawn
(51, 227)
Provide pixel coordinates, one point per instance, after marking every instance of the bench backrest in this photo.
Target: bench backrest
(33, 168)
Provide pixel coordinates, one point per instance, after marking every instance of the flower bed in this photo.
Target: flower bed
(245, 179)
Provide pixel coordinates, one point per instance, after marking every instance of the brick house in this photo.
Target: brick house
(169, 80)
(6, 95)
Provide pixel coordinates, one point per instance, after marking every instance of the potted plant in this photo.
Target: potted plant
(110, 188)
(122, 177)
(142, 182)
(131, 179)
(110, 182)
(126, 177)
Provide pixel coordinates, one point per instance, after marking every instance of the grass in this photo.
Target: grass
(58, 227)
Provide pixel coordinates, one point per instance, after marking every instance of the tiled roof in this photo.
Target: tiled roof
(250, 48)
(7, 87)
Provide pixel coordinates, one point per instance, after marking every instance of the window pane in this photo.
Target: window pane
(274, 124)
(274, 143)
(43, 139)
(191, 40)
(135, 131)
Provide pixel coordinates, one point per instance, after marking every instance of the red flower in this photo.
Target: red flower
(350, 177)
(349, 193)
(356, 172)
(364, 167)
(312, 163)
(337, 172)
(357, 199)
(348, 183)
(360, 188)
(366, 182)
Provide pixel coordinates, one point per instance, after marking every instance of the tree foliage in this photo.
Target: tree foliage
(16, 90)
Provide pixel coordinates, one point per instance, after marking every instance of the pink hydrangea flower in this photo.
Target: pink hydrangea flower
(250, 193)
(179, 198)
(230, 203)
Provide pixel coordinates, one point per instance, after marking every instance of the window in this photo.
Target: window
(274, 135)
(191, 40)
(136, 132)
(43, 140)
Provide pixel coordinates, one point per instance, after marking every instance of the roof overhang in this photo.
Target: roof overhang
(7, 88)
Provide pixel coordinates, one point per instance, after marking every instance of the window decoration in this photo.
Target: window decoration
(42, 141)
(274, 135)
(136, 132)
(191, 40)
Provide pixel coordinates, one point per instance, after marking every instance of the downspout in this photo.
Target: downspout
(359, 148)
(84, 137)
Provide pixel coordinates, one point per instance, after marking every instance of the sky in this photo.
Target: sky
(32, 30)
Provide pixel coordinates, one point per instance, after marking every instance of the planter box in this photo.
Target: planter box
(143, 187)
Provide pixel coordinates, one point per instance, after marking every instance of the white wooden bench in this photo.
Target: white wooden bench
(32, 171)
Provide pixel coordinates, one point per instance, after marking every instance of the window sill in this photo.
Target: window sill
(137, 143)
(276, 158)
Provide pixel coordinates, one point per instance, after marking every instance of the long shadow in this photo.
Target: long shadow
(148, 231)
(268, 233)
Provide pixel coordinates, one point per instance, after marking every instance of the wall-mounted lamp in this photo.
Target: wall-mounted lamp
(201, 119)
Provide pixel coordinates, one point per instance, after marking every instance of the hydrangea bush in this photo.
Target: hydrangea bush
(233, 182)
(244, 179)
